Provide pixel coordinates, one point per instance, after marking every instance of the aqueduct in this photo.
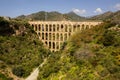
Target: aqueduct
(54, 33)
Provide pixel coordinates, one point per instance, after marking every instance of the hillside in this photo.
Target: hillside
(73, 17)
(52, 16)
(103, 16)
(116, 17)
(88, 55)
(92, 54)
(108, 16)
(20, 49)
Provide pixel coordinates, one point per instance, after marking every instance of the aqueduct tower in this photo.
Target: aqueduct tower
(54, 33)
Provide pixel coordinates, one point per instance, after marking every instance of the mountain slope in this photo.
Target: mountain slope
(73, 17)
(103, 16)
(108, 16)
(52, 16)
(46, 16)
(116, 17)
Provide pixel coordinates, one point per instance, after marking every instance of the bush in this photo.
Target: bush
(19, 71)
(3, 77)
(108, 38)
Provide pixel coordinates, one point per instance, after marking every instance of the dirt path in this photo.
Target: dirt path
(35, 73)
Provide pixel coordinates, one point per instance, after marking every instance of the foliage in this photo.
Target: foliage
(21, 50)
(108, 16)
(5, 28)
(51, 16)
(19, 71)
(92, 54)
(3, 77)
(88, 55)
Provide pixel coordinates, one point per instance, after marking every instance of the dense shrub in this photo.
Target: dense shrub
(88, 55)
(22, 49)
(19, 71)
(3, 77)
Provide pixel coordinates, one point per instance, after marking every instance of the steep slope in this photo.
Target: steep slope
(103, 16)
(73, 17)
(20, 48)
(54, 16)
(89, 55)
(108, 16)
(21, 17)
(116, 17)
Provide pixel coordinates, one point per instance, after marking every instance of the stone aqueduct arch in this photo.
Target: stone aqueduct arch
(54, 33)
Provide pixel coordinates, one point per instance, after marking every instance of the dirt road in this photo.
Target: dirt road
(35, 73)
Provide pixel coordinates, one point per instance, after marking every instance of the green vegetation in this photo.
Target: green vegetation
(108, 16)
(52, 16)
(92, 54)
(71, 16)
(20, 48)
(3, 77)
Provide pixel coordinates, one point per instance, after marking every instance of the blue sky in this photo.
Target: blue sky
(15, 8)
